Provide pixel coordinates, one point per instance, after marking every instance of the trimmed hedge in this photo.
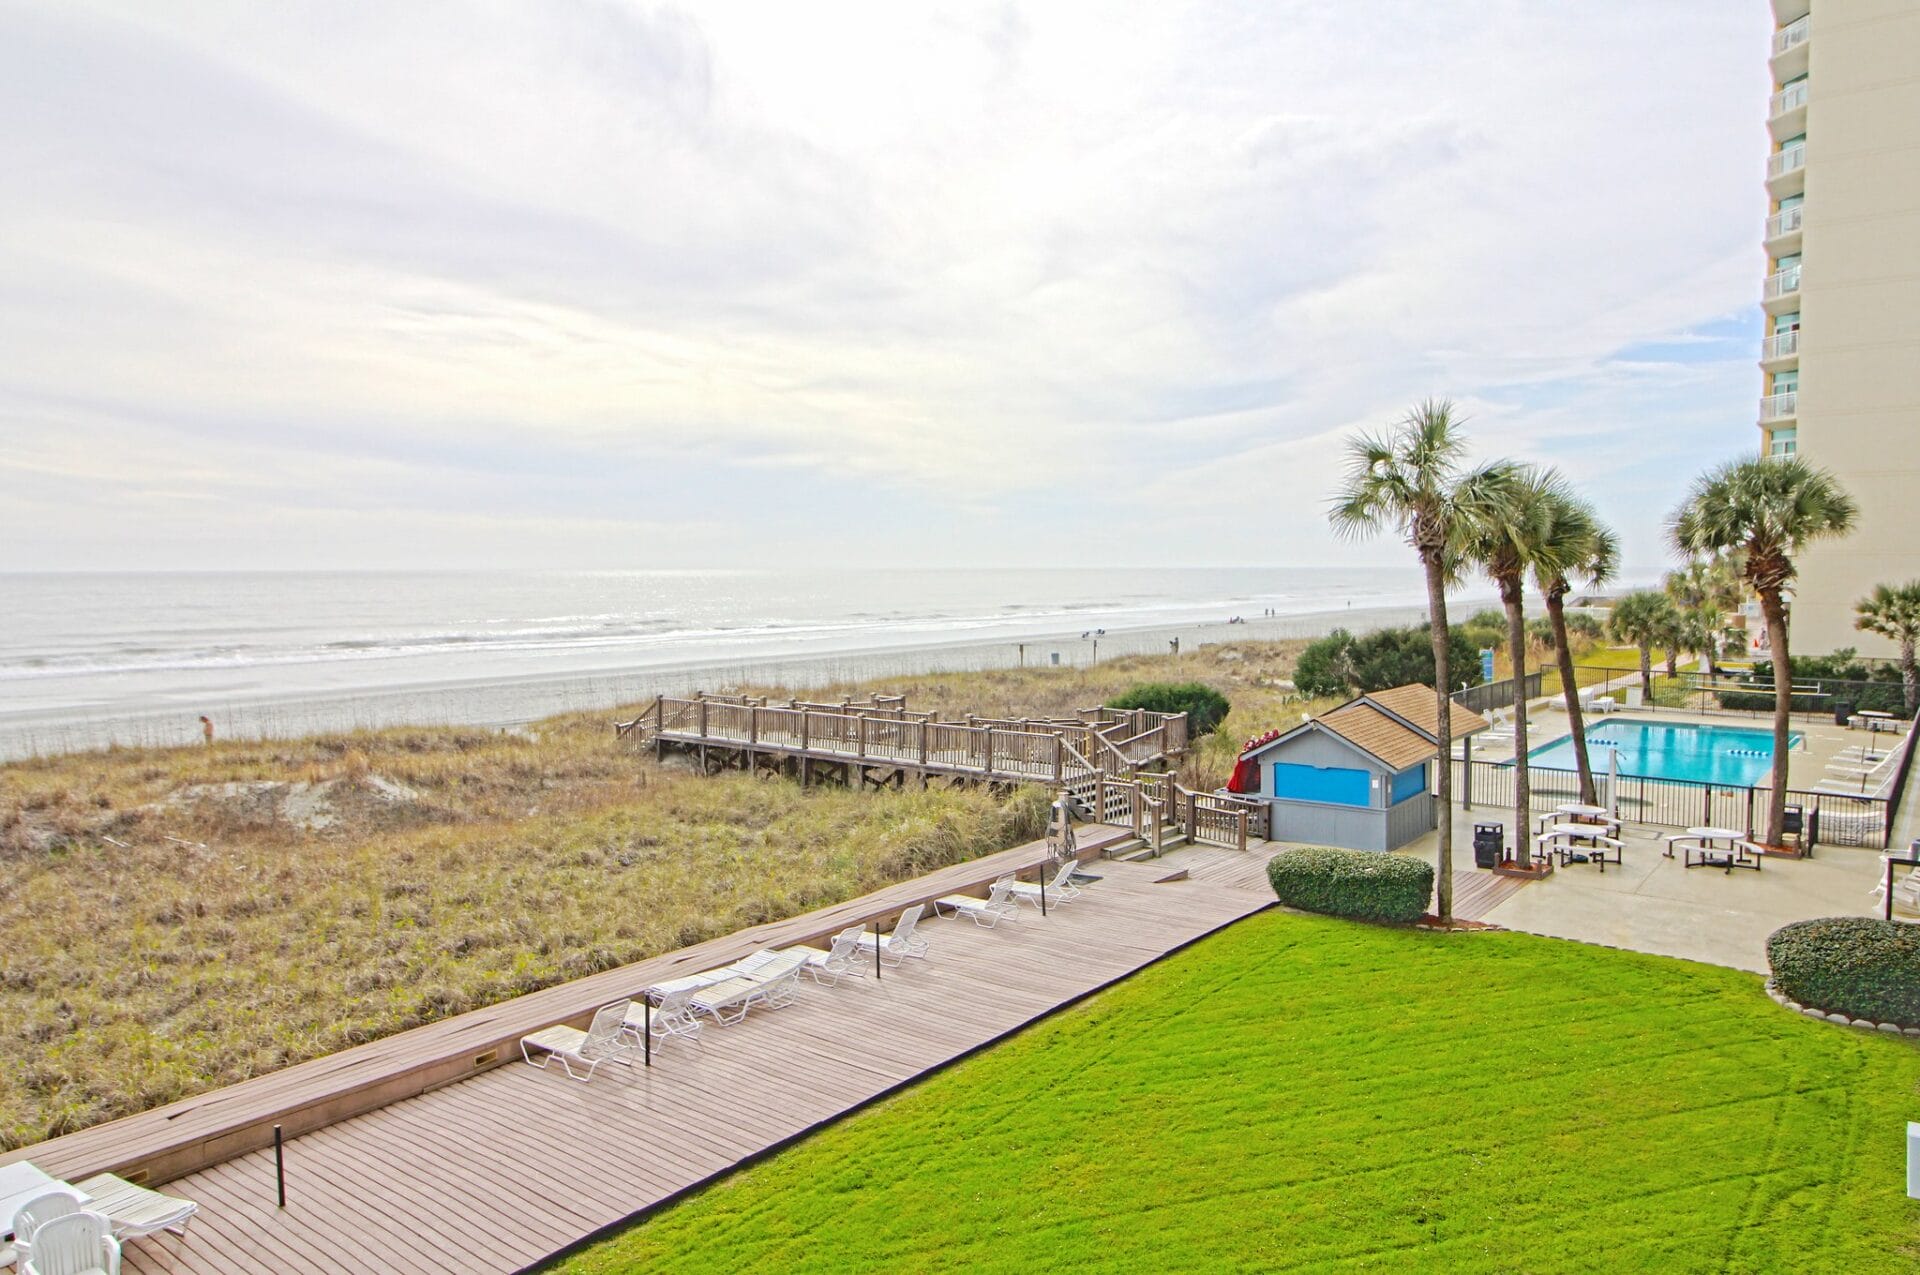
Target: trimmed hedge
(1859, 966)
(1395, 888)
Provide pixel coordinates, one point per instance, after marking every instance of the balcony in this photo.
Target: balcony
(1782, 292)
(1777, 407)
(1780, 348)
(1787, 112)
(1783, 232)
(1786, 171)
(1790, 49)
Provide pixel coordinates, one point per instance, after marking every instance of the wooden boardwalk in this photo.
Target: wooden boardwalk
(513, 1164)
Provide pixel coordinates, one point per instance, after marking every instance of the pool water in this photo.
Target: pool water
(1730, 756)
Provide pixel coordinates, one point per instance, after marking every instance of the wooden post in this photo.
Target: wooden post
(703, 717)
(1193, 816)
(1243, 829)
(753, 725)
(989, 739)
(924, 728)
(860, 729)
(1099, 796)
(806, 730)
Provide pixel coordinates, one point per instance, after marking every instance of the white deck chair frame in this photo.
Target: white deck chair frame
(134, 1210)
(605, 1040)
(672, 1018)
(986, 913)
(1059, 890)
(841, 960)
(903, 943)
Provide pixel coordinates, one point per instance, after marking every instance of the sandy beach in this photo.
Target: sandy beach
(506, 702)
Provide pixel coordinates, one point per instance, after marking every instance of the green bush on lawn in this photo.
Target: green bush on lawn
(1357, 883)
(1854, 965)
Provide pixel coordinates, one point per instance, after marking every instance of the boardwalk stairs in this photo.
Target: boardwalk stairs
(1113, 765)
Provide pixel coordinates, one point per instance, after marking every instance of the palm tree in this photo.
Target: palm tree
(1578, 545)
(1894, 612)
(1704, 590)
(1644, 619)
(1408, 479)
(1508, 518)
(1769, 509)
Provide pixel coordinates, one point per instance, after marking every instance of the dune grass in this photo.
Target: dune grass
(1300, 1092)
(179, 919)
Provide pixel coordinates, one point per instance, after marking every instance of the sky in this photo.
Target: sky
(611, 284)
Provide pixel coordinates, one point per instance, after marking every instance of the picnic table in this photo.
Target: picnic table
(1580, 843)
(1705, 846)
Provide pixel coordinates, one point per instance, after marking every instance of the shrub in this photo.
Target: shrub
(1323, 670)
(1205, 707)
(1340, 664)
(1359, 883)
(1859, 966)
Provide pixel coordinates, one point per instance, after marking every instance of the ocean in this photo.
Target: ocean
(91, 659)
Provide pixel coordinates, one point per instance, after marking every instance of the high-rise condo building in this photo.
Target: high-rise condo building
(1840, 359)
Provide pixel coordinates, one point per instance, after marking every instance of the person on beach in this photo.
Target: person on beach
(206, 729)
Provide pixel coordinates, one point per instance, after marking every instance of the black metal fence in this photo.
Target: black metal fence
(1840, 818)
(1813, 697)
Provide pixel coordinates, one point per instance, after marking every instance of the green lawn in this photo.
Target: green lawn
(1303, 1092)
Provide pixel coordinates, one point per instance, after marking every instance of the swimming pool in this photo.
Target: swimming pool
(1726, 755)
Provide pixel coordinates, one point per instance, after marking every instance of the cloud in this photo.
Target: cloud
(1056, 284)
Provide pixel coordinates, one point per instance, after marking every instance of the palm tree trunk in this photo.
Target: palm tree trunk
(1909, 675)
(1443, 731)
(1673, 663)
(1517, 653)
(1646, 672)
(1563, 653)
(1776, 615)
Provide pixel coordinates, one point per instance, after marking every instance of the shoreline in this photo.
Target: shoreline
(508, 701)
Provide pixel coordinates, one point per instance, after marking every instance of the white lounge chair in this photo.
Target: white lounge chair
(988, 912)
(605, 1040)
(726, 1002)
(1906, 890)
(903, 942)
(134, 1210)
(672, 1017)
(842, 960)
(77, 1244)
(1059, 890)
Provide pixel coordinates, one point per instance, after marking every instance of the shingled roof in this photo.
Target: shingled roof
(1399, 727)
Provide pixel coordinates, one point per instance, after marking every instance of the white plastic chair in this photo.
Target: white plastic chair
(36, 1213)
(77, 1244)
(903, 942)
(1059, 890)
(988, 912)
(605, 1040)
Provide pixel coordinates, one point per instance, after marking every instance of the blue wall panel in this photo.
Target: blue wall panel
(1409, 783)
(1334, 785)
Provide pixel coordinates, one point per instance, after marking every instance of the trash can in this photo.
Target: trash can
(1489, 844)
(1842, 712)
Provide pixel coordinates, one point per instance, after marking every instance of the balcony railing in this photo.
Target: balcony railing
(1790, 98)
(1783, 162)
(1795, 32)
(1777, 407)
(1784, 222)
(1781, 345)
(1783, 284)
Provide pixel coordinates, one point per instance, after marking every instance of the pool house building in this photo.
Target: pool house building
(1359, 776)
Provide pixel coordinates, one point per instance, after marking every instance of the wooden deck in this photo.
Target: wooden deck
(514, 1164)
(159, 1145)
